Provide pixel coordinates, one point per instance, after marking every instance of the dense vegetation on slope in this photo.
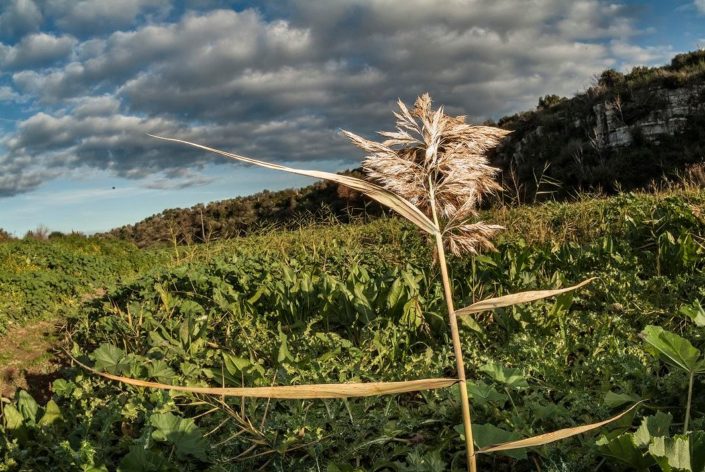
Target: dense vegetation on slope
(43, 278)
(362, 302)
(243, 215)
(562, 143)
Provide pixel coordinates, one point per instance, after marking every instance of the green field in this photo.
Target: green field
(364, 303)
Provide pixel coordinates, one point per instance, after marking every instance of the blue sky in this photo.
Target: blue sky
(81, 82)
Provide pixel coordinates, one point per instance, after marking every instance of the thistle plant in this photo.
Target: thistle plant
(432, 170)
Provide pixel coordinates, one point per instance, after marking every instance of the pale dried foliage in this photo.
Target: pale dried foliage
(434, 157)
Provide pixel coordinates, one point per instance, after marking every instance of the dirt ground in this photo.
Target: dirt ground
(28, 359)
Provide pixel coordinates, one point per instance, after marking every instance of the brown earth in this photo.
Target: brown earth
(29, 360)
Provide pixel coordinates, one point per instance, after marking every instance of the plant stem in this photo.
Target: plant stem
(457, 347)
(464, 401)
(687, 407)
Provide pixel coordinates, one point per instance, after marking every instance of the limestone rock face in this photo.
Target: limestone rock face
(670, 112)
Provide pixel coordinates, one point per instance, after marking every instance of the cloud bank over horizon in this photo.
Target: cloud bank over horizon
(82, 82)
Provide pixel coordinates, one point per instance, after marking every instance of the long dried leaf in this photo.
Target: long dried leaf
(295, 392)
(553, 436)
(383, 196)
(516, 298)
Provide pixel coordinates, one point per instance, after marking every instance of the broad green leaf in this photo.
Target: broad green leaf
(182, 433)
(513, 378)
(623, 449)
(12, 418)
(697, 450)
(671, 348)
(470, 322)
(671, 453)
(140, 459)
(695, 312)
(234, 364)
(62, 387)
(483, 393)
(487, 434)
(52, 414)
(109, 358)
(28, 406)
(394, 294)
(429, 462)
(160, 370)
(540, 410)
(615, 400)
(651, 427)
(700, 367)
(412, 313)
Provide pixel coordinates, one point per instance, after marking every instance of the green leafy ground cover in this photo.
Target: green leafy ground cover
(362, 303)
(40, 279)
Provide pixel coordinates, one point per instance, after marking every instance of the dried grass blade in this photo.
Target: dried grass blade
(383, 196)
(296, 392)
(516, 298)
(553, 436)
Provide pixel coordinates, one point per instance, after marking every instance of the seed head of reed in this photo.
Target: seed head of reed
(433, 159)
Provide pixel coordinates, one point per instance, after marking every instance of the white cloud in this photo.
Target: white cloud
(19, 17)
(104, 105)
(36, 51)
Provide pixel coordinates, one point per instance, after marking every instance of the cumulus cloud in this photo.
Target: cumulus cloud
(84, 17)
(36, 50)
(278, 83)
(19, 17)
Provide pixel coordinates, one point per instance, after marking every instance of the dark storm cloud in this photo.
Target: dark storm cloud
(279, 82)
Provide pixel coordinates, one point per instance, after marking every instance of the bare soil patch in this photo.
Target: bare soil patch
(29, 360)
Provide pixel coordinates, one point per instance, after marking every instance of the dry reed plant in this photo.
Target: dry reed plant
(433, 171)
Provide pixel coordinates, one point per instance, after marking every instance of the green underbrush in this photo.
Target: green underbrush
(362, 303)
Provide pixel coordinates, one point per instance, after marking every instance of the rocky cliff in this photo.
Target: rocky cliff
(624, 132)
(667, 115)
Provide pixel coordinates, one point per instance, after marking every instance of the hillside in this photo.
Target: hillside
(363, 303)
(625, 132)
(242, 215)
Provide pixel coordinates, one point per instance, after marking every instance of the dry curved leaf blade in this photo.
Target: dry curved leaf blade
(295, 392)
(383, 196)
(516, 298)
(546, 438)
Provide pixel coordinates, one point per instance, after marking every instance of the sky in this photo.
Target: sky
(83, 81)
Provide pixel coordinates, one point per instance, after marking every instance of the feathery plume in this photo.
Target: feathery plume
(437, 160)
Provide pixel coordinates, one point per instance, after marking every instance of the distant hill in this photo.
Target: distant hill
(238, 216)
(622, 133)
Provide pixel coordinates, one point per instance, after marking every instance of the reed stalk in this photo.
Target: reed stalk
(457, 346)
